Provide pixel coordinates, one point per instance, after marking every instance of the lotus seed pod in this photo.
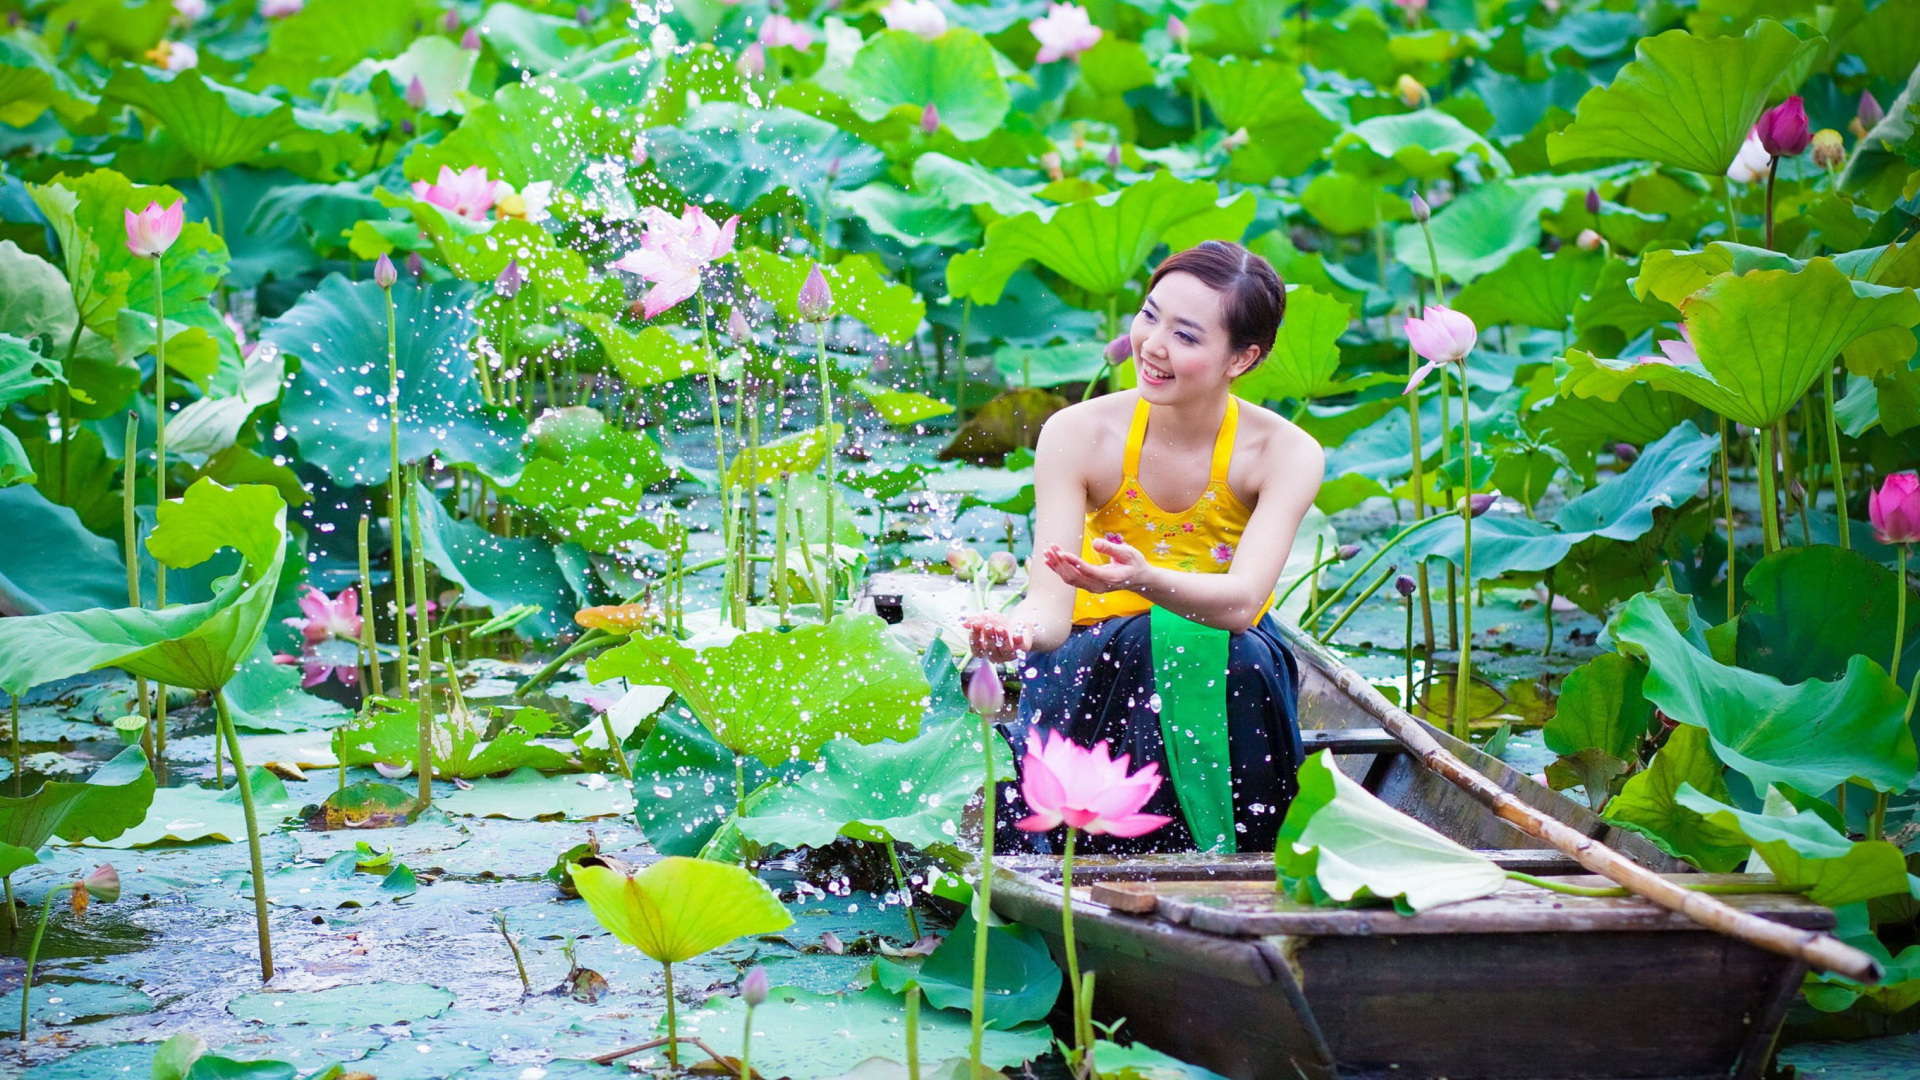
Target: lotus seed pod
(1829, 150)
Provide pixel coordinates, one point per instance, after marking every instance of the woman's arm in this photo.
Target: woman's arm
(1042, 621)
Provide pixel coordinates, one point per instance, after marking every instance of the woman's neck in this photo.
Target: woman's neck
(1191, 421)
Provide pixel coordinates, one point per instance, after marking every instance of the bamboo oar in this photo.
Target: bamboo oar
(1820, 951)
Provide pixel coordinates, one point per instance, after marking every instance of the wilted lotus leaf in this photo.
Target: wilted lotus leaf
(1009, 422)
(677, 908)
(616, 618)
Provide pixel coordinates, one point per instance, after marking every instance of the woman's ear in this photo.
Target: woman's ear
(1243, 361)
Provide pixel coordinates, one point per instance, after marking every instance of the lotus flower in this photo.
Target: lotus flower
(1753, 161)
(1176, 30)
(816, 299)
(1442, 336)
(1064, 31)
(173, 56)
(1588, 240)
(780, 30)
(416, 95)
(674, 252)
(1001, 566)
(1867, 116)
(922, 17)
(1675, 352)
(1413, 8)
(1422, 212)
(1089, 790)
(985, 693)
(739, 330)
(328, 617)
(470, 40)
(1409, 91)
(1119, 349)
(280, 9)
(510, 280)
(1783, 129)
(752, 61)
(1593, 201)
(930, 118)
(102, 884)
(450, 21)
(528, 205)
(189, 12)
(467, 193)
(1895, 509)
(964, 561)
(384, 273)
(1405, 586)
(153, 230)
(753, 988)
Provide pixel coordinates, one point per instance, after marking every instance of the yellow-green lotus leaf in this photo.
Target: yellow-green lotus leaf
(679, 908)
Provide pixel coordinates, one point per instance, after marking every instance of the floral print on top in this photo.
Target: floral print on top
(1200, 539)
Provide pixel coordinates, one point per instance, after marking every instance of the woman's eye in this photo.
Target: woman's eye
(1188, 338)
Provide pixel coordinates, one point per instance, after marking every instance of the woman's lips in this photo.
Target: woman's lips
(1152, 374)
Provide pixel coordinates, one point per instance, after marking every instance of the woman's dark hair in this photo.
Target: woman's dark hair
(1255, 297)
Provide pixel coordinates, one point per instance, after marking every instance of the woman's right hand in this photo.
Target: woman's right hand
(998, 638)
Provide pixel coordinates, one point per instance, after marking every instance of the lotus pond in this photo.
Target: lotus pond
(614, 407)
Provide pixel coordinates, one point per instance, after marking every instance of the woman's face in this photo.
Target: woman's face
(1181, 349)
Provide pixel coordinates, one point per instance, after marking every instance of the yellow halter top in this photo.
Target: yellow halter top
(1200, 539)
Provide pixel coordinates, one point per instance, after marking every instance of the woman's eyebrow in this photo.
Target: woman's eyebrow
(1194, 326)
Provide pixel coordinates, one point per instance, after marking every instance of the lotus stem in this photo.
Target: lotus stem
(1464, 682)
(735, 610)
(1311, 573)
(395, 506)
(746, 1035)
(131, 529)
(1082, 1045)
(520, 965)
(1877, 819)
(1769, 519)
(826, 459)
(423, 764)
(366, 623)
(253, 835)
(159, 414)
(1833, 462)
(781, 593)
(1419, 477)
(1341, 590)
(673, 1024)
(1406, 700)
(13, 731)
(988, 807)
(1773, 166)
(1323, 638)
(906, 890)
(913, 1036)
(33, 950)
(13, 923)
(1726, 494)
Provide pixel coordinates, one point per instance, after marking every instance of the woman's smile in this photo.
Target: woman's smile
(1153, 374)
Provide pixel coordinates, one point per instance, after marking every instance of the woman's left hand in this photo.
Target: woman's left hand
(1124, 570)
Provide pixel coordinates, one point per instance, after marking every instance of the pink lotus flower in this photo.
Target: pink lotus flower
(1442, 336)
(336, 617)
(153, 230)
(1064, 31)
(280, 9)
(1176, 30)
(1783, 129)
(1751, 164)
(1895, 509)
(1085, 789)
(930, 119)
(320, 662)
(922, 17)
(173, 56)
(189, 12)
(674, 252)
(468, 193)
(779, 30)
(753, 61)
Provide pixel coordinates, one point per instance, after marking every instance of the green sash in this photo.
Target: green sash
(1190, 677)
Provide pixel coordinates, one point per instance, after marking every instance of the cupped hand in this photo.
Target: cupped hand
(1124, 569)
(998, 638)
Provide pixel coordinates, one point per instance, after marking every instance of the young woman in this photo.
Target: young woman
(1165, 515)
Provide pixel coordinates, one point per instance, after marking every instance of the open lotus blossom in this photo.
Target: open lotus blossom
(328, 617)
(1751, 164)
(527, 205)
(1064, 31)
(780, 30)
(1675, 352)
(173, 56)
(153, 230)
(1442, 336)
(467, 193)
(280, 9)
(674, 252)
(922, 17)
(1089, 790)
(1895, 509)
(1783, 129)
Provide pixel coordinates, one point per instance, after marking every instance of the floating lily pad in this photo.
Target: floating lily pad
(356, 1005)
(525, 794)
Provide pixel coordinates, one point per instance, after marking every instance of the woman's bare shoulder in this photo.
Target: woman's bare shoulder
(1279, 442)
(1085, 424)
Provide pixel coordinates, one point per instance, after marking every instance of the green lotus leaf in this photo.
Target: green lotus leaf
(1683, 101)
(498, 572)
(31, 83)
(1478, 232)
(1897, 991)
(1098, 244)
(545, 129)
(1051, 365)
(779, 696)
(191, 814)
(1810, 610)
(962, 183)
(1022, 983)
(908, 792)
(326, 37)
(1287, 133)
(111, 801)
(24, 373)
(355, 1006)
(736, 156)
(335, 406)
(1601, 706)
(1877, 171)
(1638, 416)
(1672, 276)
(1812, 735)
(218, 125)
(1350, 204)
(1763, 339)
(901, 408)
(1425, 145)
(1353, 847)
(34, 298)
(1649, 803)
(679, 908)
(1532, 289)
(860, 286)
(479, 251)
(526, 794)
(955, 73)
(15, 466)
(798, 454)
(1306, 353)
(1804, 850)
(388, 732)
(684, 783)
(592, 496)
(647, 357)
(51, 562)
(1611, 306)
(909, 217)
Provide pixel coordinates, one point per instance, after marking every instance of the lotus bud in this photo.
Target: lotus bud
(1625, 453)
(1050, 161)
(1593, 201)
(831, 942)
(583, 15)
(1405, 586)
(1119, 349)
(1000, 567)
(663, 39)
(1895, 509)
(153, 230)
(930, 118)
(406, 128)
(450, 21)
(1113, 156)
(1869, 114)
(1236, 140)
(1176, 29)
(964, 561)
(1346, 551)
(384, 275)
(816, 299)
(833, 168)
(510, 279)
(1409, 91)
(753, 988)
(1828, 148)
(103, 884)
(1783, 129)
(1479, 504)
(753, 60)
(639, 151)
(738, 329)
(1421, 211)
(417, 93)
(470, 40)
(985, 694)
(1588, 240)
(416, 265)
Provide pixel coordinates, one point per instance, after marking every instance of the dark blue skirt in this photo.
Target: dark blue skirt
(1099, 684)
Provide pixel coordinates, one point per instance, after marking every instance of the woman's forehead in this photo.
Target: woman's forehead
(1189, 297)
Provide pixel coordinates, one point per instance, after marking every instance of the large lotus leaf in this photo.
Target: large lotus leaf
(1683, 101)
(802, 1035)
(388, 732)
(1022, 983)
(1353, 847)
(480, 251)
(955, 73)
(1267, 98)
(684, 783)
(31, 83)
(1306, 352)
(219, 125)
(1649, 803)
(779, 696)
(111, 801)
(189, 815)
(1639, 415)
(909, 792)
(528, 795)
(735, 155)
(50, 561)
(909, 217)
(962, 183)
(1811, 736)
(498, 572)
(539, 130)
(15, 466)
(592, 497)
(1426, 144)
(1351, 204)
(1056, 365)
(1478, 232)
(1601, 706)
(650, 356)
(679, 908)
(24, 373)
(1877, 171)
(1098, 244)
(1531, 289)
(1763, 339)
(1803, 850)
(87, 214)
(1810, 610)
(1612, 304)
(326, 37)
(191, 645)
(859, 283)
(1672, 276)
(34, 300)
(335, 407)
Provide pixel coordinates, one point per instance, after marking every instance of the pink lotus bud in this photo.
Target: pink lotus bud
(738, 329)
(153, 230)
(416, 265)
(964, 561)
(1829, 150)
(384, 275)
(833, 168)
(1405, 586)
(1625, 453)
(450, 21)
(1421, 211)
(1895, 509)
(1480, 503)
(510, 279)
(1869, 114)
(1442, 335)
(1593, 201)
(753, 60)
(103, 885)
(753, 988)
(1346, 551)
(985, 694)
(1783, 129)
(406, 128)
(1113, 156)
(930, 119)
(583, 15)
(1000, 567)
(1588, 240)
(417, 93)
(1119, 349)
(639, 151)
(470, 40)
(1176, 29)
(831, 942)
(816, 299)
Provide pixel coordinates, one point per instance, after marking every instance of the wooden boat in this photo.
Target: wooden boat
(1206, 961)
